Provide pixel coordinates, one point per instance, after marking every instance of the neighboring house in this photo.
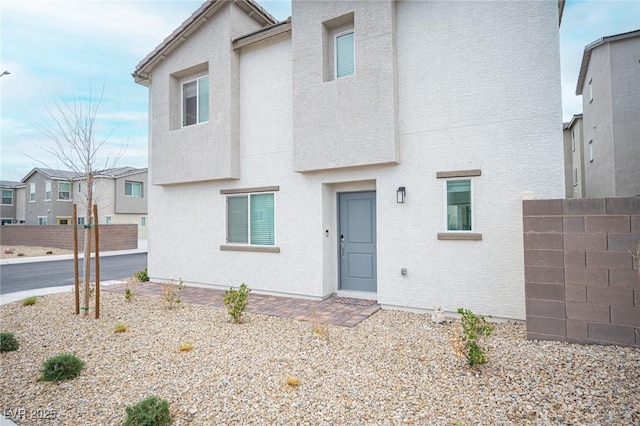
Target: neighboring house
(609, 82)
(120, 194)
(11, 206)
(573, 158)
(374, 150)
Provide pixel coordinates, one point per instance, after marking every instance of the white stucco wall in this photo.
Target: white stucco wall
(473, 93)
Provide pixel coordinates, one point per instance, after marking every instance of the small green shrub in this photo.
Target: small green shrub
(29, 301)
(172, 292)
(474, 330)
(130, 287)
(152, 411)
(8, 342)
(236, 301)
(142, 276)
(61, 367)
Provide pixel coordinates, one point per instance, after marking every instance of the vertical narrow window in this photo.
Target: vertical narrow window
(79, 187)
(573, 139)
(591, 151)
(32, 192)
(238, 219)
(195, 101)
(64, 190)
(575, 177)
(459, 205)
(143, 221)
(7, 197)
(345, 54)
(250, 219)
(590, 91)
(47, 191)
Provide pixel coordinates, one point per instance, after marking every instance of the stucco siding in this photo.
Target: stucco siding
(625, 96)
(348, 121)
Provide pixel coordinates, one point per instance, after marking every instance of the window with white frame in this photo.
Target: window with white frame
(590, 91)
(47, 191)
(107, 219)
(7, 197)
(143, 221)
(195, 101)
(81, 220)
(32, 192)
(42, 220)
(575, 176)
(573, 139)
(459, 205)
(64, 191)
(344, 54)
(133, 189)
(251, 219)
(591, 151)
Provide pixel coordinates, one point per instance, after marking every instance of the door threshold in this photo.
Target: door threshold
(367, 295)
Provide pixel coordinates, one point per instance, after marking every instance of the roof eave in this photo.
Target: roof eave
(142, 73)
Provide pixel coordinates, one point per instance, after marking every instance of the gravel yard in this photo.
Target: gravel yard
(395, 368)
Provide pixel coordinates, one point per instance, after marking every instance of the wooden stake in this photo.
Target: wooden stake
(76, 274)
(95, 215)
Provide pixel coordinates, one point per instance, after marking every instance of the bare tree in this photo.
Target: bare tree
(71, 130)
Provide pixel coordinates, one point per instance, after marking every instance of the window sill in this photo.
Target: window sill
(261, 249)
(466, 236)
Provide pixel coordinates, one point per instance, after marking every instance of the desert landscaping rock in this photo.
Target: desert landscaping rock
(395, 368)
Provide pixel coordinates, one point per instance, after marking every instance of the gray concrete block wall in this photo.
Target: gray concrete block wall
(112, 237)
(581, 283)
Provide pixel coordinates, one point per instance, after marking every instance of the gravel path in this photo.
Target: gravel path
(395, 368)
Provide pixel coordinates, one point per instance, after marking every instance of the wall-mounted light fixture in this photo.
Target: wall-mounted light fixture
(400, 194)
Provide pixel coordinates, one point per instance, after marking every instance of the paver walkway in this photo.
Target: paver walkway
(333, 310)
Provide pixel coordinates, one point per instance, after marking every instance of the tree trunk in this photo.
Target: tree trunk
(87, 245)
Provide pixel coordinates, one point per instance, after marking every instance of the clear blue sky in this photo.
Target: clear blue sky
(54, 46)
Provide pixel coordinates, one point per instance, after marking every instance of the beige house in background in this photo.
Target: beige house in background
(47, 196)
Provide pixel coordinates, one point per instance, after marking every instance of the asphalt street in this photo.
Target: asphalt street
(36, 275)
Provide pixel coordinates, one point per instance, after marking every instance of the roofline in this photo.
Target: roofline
(142, 74)
(560, 11)
(262, 34)
(575, 118)
(586, 56)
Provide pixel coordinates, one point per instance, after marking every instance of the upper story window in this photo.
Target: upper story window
(32, 192)
(195, 101)
(133, 189)
(251, 219)
(459, 205)
(47, 191)
(7, 197)
(345, 54)
(338, 47)
(590, 91)
(573, 139)
(575, 176)
(591, 151)
(64, 190)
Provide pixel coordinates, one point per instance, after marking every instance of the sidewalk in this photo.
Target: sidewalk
(142, 248)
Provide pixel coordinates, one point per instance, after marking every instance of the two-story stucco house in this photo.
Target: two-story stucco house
(378, 150)
(120, 194)
(609, 82)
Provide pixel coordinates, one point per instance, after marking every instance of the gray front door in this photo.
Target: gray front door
(357, 241)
